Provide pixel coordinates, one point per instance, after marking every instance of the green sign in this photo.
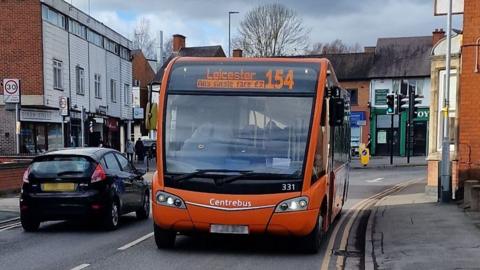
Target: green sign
(423, 115)
(381, 96)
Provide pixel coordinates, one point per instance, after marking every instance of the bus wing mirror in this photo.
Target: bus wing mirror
(337, 111)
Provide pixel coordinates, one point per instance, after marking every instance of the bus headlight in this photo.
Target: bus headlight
(291, 205)
(167, 199)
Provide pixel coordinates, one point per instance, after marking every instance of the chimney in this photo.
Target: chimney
(369, 49)
(237, 53)
(438, 34)
(178, 42)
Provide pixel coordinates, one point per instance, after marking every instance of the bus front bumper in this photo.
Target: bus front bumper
(197, 218)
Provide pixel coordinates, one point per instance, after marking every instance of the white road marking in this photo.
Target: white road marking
(375, 180)
(81, 266)
(10, 226)
(133, 243)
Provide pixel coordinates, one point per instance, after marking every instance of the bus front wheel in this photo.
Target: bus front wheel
(165, 239)
(311, 243)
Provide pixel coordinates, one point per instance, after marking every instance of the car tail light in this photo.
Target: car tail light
(99, 174)
(25, 175)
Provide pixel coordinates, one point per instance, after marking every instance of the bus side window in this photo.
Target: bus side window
(320, 162)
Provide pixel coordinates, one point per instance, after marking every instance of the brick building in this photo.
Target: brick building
(352, 70)
(143, 74)
(469, 98)
(57, 50)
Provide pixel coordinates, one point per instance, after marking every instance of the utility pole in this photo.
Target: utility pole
(229, 35)
(82, 127)
(445, 165)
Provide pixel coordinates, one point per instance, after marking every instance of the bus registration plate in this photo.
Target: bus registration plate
(228, 229)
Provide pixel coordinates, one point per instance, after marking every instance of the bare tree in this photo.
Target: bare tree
(271, 30)
(336, 46)
(143, 40)
(168, 47)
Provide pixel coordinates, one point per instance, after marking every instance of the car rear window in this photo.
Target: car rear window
(62, 166)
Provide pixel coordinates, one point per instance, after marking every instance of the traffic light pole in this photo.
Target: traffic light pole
(391, 139)
(445, 165)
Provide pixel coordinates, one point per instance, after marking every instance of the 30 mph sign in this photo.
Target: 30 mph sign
(11, 90)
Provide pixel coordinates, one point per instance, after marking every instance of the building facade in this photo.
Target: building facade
(401, 65)
(143, 74)
(469, 100)
(438, 75)
(66, 53)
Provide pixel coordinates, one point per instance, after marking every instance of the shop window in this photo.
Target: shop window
(57, 74)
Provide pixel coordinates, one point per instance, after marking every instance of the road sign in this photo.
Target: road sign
(63, 105)
(137, 113)
(11, 90)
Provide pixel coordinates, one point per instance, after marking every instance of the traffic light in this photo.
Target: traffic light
(416, 101)
(390, 104)
(402, 103)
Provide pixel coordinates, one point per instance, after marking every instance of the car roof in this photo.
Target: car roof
(93, 152)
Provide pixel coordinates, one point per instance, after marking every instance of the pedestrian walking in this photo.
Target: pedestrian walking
(140, 150)
(130, 150)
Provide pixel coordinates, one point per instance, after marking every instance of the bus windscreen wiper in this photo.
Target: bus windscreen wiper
(234, 178)
(187, 176)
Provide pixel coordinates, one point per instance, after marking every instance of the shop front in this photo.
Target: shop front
(40, 131)
(112, 133)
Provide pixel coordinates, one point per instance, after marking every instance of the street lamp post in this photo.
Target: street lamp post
(229, 32)
(446, 168)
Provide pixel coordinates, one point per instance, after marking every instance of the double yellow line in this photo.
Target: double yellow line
(355, 210)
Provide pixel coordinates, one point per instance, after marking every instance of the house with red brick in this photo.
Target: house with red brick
(469, 99)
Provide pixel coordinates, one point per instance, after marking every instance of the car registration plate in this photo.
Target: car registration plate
(229, 229)
(58, 187)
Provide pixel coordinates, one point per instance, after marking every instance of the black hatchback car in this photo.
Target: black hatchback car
(79, 183)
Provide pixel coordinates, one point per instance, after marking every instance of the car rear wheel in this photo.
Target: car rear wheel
(144, 212)
(165, 239)
(311, 243)
(112, 216)
(29, 223)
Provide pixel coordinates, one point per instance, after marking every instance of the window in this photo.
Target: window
(113, 90)
(124, 163)
(80, 75)
(111, 162)
(111, 46)
(126, 94)
(97, 79)
(94, 38)
(57, 74)
(77, 29)
(353, 96)
(124, 53)
(53, 17)
(452, 110)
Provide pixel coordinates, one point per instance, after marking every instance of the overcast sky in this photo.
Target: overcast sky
(205, 22)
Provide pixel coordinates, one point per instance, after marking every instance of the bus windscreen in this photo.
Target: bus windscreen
(244, 76)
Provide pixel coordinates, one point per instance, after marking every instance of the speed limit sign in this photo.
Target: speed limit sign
(11, 90)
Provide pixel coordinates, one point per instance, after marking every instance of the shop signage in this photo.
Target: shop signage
(357, 118)
(35, 115)
(136, 96)
(63, 104)
(381, 97)
(112, 124)
(138, 113)
(101, 110)
(11, 90)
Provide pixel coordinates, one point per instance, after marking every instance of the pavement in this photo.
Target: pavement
(410, 230)
(384, 162)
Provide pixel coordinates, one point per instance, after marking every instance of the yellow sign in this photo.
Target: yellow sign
(274, 79)
(364, 154)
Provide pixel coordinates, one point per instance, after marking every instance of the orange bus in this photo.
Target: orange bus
(250, 146)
